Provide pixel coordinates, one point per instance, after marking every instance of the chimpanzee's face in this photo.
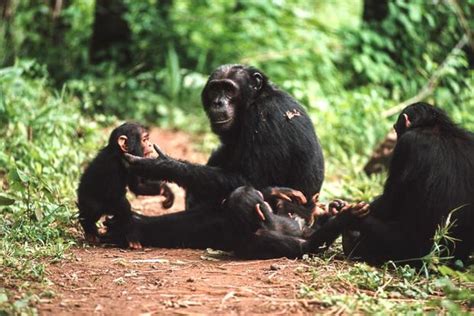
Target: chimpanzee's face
(228, 92)
(132, 138)
(223, 97)
(147, 146)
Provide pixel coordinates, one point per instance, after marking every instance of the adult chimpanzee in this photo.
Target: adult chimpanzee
(103, 185)
(430, 176)
(267, 139)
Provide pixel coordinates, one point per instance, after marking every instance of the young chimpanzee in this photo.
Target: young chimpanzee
(102, 189)
(431, 176)
(268, 233)
(292, 203)
(262, 234)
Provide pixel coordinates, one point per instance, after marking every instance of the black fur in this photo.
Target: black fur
(267, 139)
(431, 175)
(275, 235)
(102, 188)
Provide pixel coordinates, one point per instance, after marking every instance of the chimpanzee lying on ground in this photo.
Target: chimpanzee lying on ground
(268, 232)
(267, 139)
(103, 185)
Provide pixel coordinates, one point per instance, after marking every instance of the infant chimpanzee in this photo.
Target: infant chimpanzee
(102, 189)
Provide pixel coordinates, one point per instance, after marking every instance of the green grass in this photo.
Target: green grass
(46, 143)
(349, 287)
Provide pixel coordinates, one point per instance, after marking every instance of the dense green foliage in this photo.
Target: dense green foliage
(45, 141)
(349, 73)
(346, 71)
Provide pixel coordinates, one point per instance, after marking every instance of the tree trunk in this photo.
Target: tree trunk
(8, 56)
(374, 10)
(111, 35)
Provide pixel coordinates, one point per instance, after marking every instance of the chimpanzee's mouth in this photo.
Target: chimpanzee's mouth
(222, 121)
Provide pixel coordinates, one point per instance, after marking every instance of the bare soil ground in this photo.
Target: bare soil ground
(114, 281)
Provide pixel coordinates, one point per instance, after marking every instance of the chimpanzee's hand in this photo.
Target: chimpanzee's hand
(130, 160)
(336, 206)
(357, 210)
(318, 209)
(263, 211)
(361, 209)
(161, 154)
(152, 168)
(287, 194)
(168, 194)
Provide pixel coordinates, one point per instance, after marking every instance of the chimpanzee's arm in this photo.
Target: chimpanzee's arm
(383, 232)
(327, 233)
(140, 186)
(266, 244)
(200, 179)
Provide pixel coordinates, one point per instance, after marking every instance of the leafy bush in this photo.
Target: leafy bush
(165, 97)
(403, 50)
(45, 142)
(58, 39)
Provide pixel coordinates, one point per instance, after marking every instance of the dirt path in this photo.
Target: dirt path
(179, 281)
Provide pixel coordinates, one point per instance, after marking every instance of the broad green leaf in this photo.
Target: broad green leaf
(6, 200)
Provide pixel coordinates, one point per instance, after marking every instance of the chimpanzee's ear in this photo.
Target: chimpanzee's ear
(407, 120)
(258, 80)
(122, 142)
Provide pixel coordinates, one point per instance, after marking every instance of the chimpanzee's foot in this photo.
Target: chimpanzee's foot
(135, 245)
(92, 238)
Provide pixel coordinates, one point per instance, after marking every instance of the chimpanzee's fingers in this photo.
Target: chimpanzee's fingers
(169, 196)
(131, 158)
(299, 196)
(283, 196)
(337, 205)
(93, 239)
(267, 209)
(347, 207)
(259, 212)
(168, 201)
(135, 245)
(320, 209)
(289, 194)
(333, 211)
(161, 154)
(365, 211)
(362, 209)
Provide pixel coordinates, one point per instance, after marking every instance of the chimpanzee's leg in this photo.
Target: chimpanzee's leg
(199, 230)
(122, 211)
(89, 214)
(267, 244)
